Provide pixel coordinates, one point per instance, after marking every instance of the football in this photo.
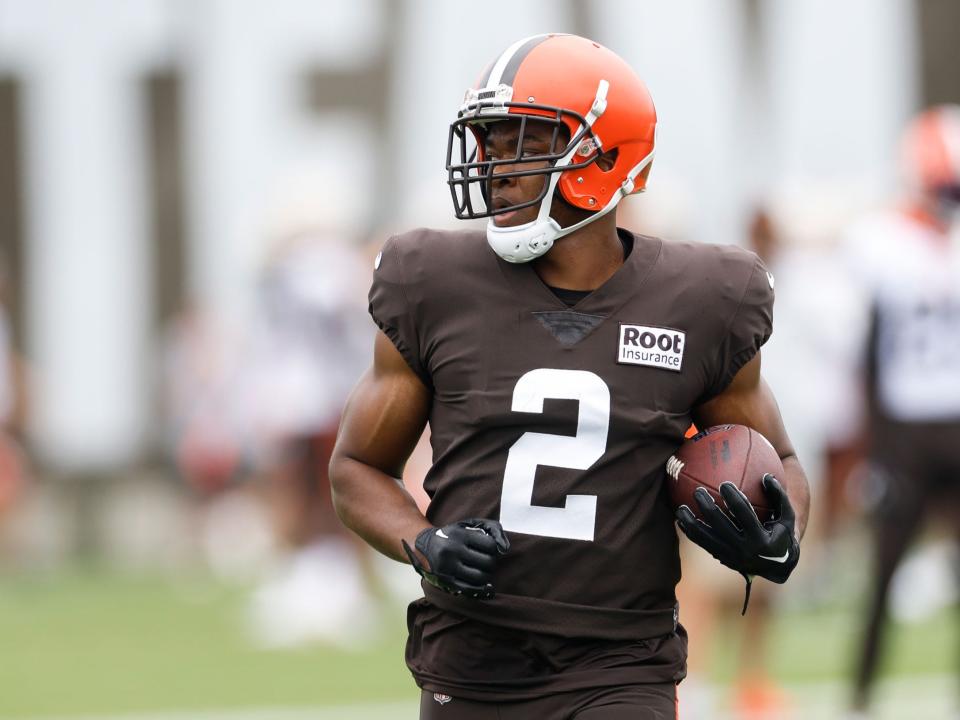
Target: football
(722, 453)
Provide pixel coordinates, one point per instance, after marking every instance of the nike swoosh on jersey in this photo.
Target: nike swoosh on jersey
(781, 559)
(441, 533)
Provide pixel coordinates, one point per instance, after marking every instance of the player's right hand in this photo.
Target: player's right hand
(461, 557)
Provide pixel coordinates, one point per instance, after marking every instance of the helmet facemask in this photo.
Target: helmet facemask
(471, 175)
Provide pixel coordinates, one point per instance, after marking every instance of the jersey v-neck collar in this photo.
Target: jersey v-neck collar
(606, 299)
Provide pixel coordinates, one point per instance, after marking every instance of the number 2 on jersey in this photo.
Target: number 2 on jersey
(577, 519)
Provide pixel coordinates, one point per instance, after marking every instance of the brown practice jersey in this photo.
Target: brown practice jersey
(558, 421)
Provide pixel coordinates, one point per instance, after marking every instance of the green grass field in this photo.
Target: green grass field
(102, 644)
(98, 644)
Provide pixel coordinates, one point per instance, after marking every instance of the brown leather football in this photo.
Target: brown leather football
(722, 453)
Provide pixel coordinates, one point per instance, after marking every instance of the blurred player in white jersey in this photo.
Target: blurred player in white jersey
(309, 341)
(907, 261)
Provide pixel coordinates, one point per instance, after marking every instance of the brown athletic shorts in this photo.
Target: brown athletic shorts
(655, 701)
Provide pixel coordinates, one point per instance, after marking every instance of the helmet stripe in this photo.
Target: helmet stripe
(485, 78)
(510, 60)
(510, 71)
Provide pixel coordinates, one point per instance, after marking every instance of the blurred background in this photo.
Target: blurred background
(191, 195)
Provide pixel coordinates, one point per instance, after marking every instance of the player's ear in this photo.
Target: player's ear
(607, 160)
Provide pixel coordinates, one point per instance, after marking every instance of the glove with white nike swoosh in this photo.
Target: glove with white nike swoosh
(743, 543)
(461, 557)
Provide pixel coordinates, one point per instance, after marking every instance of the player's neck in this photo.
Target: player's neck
(585, 259)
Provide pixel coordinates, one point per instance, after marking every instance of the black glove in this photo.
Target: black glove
(461, 556)
(769, 550)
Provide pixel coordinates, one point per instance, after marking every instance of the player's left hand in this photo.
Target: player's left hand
(743, 543)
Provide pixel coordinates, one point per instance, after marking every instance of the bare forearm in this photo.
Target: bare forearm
(798, 490)
(375, 506)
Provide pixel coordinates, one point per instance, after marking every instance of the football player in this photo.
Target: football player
(907, 261)
(559, 361)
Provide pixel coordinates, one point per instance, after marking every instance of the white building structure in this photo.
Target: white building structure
(808, 90)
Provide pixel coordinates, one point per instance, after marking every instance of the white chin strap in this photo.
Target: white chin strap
(523, 243)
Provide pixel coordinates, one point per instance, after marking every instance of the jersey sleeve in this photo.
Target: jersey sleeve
(750, 326)
(392, 299)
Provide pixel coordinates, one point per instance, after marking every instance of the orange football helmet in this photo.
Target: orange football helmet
(930, 152)
(593, 100)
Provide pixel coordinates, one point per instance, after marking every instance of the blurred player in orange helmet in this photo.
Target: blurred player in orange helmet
(930, 158)
(907, 261)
